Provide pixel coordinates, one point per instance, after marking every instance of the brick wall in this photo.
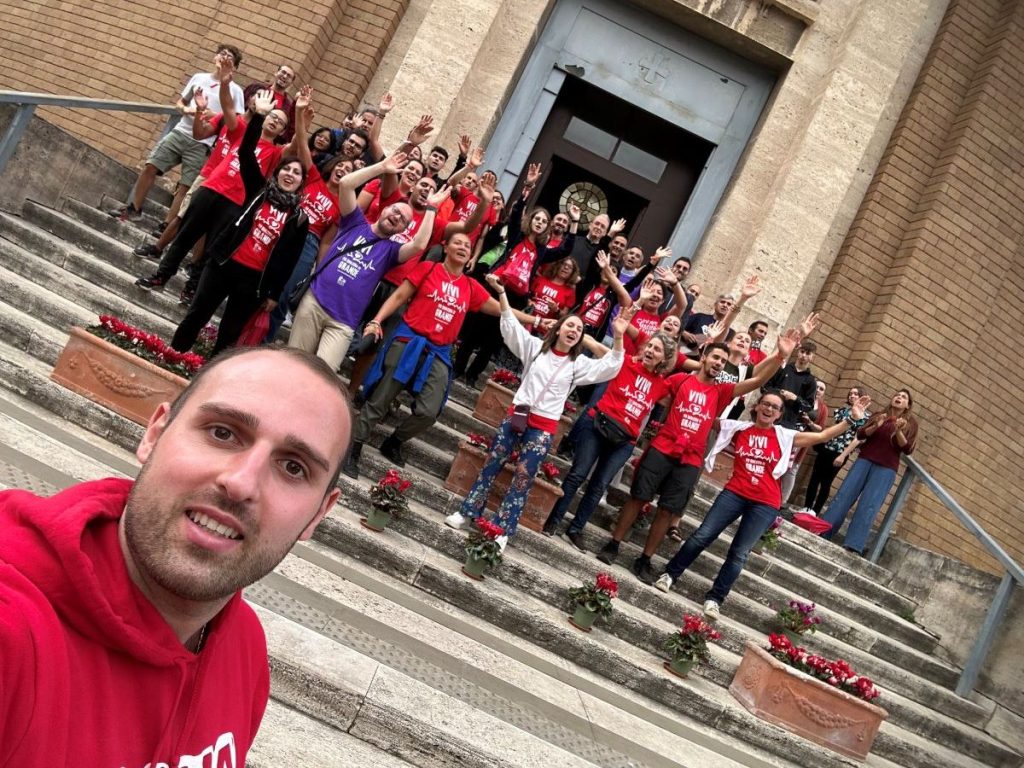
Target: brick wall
(930, 279)
(146, 51)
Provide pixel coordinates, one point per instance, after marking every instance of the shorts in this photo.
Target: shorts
(187, 199)
(178, 149)
(662, 476)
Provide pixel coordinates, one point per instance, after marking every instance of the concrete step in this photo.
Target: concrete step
(127, 233)
(322, 678)
(153, 211)
(529, 600)
(420, 636)
(544, 573)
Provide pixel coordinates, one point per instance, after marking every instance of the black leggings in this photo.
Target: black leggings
(481, 334)
(208, 215)
(232, 281)
(822, 475)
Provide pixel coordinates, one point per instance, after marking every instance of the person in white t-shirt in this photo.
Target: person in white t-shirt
(178, 147)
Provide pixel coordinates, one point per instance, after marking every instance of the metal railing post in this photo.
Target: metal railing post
(172, 120)
(889, 521)
(983, 644)
(22, 117)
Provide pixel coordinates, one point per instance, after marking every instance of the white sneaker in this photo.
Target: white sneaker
(711, 610)
(456, 521)
(664, 582)
(502, 541)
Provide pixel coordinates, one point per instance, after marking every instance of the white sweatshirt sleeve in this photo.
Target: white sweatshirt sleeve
(519, 341)
(594, 371)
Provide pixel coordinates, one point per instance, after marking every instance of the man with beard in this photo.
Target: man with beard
(123, 632)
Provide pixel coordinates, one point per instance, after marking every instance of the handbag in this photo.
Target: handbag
(296, 294)
(611, 431)
(255, 330)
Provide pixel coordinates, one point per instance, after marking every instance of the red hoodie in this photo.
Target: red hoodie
(90, 673)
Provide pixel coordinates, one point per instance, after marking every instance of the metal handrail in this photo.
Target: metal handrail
(1013, 571)
(27, 103)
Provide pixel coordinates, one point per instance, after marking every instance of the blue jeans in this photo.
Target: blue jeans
(871, 483)
(533, 446)
(303, 268)
(754, 521)
(591, 449)
(577, 429)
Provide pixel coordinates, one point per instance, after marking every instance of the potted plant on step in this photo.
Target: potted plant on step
(796, 619)
(483, 550)
(123, 368)
(689, 645)
(387, 499)
(593, 601)
(496, 397)
(770, 539)
(821, 700)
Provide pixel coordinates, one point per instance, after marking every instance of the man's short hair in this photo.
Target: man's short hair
(709, 348)
(236, 55)
(440, 150)
(728, 296)
(808, 346)
(370, 111)
(361, 133)
(753, 325)
(687, 259)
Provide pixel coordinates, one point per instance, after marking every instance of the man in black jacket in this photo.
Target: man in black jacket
(796, 384)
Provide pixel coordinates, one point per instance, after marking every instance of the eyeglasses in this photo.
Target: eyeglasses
(770, 406)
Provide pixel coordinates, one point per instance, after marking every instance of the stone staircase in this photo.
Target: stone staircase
(384, 654)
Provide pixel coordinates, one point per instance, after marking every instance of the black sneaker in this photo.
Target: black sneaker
(148, 250)
(126, 213)
(642, 570)
(391, 449)
(577, 540)
(549, 529)
(158, 229)
(153, 283)
(609, 552)
(186, 296)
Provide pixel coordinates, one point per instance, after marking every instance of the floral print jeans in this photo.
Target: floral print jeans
(532, 446)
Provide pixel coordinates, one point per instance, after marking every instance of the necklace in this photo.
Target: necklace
(201, 639)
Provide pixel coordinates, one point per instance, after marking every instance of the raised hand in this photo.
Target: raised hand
(439, 196)
(574, 212)
(810, 324)
(263, 102)
(464, 144)
(200, 101)
(900, 422)
(751, 287)
(546, 324)
(422, 130)
(860, 407)
(665, 275)
(533, 174)
(622, 320)
(602, 259)
(225, 67)
(661, 254)
(395, 162)
(485, 190)
(646, 290)
(387, 103)
(716, 329)
(495, 282)
(475, 158)
(619, 225)
(787, 342)
(304, 97)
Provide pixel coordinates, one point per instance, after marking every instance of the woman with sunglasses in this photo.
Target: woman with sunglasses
(762, 452)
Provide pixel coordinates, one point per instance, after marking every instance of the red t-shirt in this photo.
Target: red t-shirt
(632, 394)
(465, 205)
(647, 323)
(549, 298)
(515, 272)
(756, 356)
(226, 141)
(377, 205)
(397, 274)
(266, 229)
(319, 203)
(695, 406)
(595, 307)
(439, 306)
(226, 179)
(757, 452)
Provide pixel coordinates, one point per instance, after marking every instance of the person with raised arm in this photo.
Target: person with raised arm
(753, 494)
(552, 367)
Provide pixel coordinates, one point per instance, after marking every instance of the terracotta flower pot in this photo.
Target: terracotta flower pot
(466, 468)
(376, 519)
(113, 377)
(808, 707)
(680, 667)
(474, 567)
(583, 618)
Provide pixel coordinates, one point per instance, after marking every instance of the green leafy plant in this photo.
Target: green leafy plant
(596, 597)
(690, 643)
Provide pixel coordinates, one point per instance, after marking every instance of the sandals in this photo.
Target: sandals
(674, 534)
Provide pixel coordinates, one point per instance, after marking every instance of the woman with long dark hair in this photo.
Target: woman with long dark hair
(252, 258)
(830, 457)
(887, 436)
(753, 495)
(552, 367)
